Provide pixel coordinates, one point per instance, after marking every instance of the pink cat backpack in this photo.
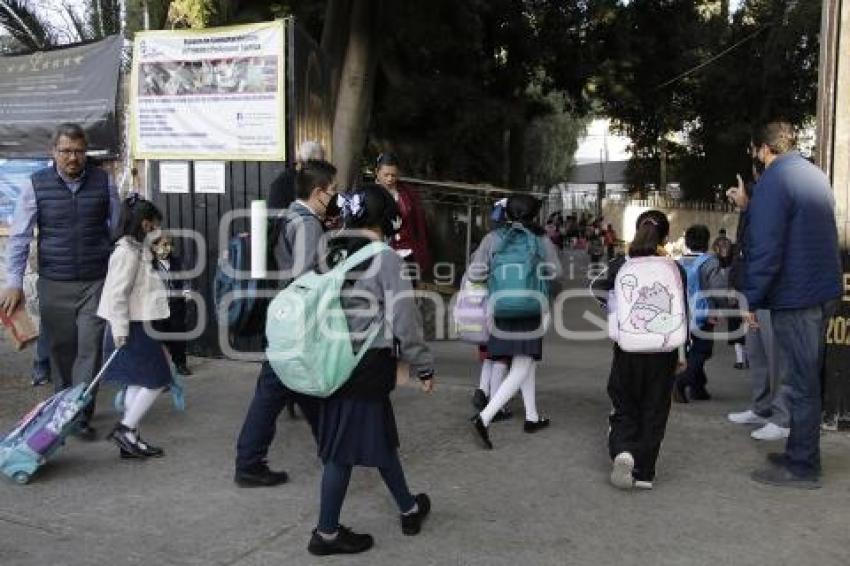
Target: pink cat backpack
(647, 310)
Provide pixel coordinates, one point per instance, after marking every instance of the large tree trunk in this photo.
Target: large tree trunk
(356, 87)
(335, 33)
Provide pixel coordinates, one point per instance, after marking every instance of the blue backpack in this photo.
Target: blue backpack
(697, 300)
(516, 287)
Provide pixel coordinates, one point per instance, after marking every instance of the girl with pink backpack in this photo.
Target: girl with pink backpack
(648, 321)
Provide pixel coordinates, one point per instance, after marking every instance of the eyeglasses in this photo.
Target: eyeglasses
(64, 152)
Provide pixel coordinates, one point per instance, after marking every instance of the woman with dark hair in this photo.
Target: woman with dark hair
(510, 338)
(640, 384)
(411, 240)
(132, 294)
(357, 426)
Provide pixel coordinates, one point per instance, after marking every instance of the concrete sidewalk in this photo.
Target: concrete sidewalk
(537, 500)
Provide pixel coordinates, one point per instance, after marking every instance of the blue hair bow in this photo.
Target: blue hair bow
(352, 205)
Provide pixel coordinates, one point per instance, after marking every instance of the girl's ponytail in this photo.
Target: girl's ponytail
(652, 228)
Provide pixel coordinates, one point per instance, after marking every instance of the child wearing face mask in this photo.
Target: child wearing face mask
(134, 294)
(166, 262)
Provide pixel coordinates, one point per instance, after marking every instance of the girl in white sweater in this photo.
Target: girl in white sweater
(133, 295)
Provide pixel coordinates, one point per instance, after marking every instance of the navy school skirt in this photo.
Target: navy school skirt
(510, 346)
(360, 430)
(140, 362)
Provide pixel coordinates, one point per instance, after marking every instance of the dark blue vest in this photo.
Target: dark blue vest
(73, 235)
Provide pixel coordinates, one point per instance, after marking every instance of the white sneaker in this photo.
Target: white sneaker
(770, 432)
(640, 484)
(621, 474)
(747, 418)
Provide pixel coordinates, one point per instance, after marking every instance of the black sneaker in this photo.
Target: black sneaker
(261, 476)
(345, 542)
(780, 476)
(412, 524)
(479, 400)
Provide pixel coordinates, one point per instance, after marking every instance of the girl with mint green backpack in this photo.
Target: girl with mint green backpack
(357, 426)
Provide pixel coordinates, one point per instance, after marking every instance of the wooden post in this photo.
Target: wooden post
(833, 156)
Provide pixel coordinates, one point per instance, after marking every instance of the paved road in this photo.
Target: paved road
(535, 500)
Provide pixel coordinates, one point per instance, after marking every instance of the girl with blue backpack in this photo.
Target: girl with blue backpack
(520, 265)
(357, 426)
(134, 294)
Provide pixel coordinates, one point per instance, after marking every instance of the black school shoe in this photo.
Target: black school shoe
(260, 476)
(481, 432)
(479, 399)
(531, 427)
(345, 542)
(412, 524)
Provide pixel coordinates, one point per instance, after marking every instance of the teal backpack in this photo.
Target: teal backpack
(309, 345)
(515, 274)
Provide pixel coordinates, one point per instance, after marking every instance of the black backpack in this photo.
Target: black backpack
(245, 313)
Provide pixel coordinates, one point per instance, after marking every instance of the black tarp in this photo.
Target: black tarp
(40, 90)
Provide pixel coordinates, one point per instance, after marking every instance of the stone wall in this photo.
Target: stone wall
(623, 216)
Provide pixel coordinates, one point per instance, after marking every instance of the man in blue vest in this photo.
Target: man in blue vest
(793, 270)
(75, 206)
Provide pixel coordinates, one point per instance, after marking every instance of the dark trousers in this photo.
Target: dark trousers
(69, 316)
(41, 359)
(175, 323)
(799, 339)
(258, 430)
(640, 388)
(335, 479)
(699, 352)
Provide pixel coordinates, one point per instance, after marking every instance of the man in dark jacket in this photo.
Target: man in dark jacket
(794, 270)
(75, 206)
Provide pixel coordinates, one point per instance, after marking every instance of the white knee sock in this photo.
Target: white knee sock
(497, 376)
(529, 394)
(130, 395)
(518, 373)
(739, 353)
(142, 402)
(486, 372)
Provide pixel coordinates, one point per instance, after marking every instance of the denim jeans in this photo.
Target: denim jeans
(800, 345)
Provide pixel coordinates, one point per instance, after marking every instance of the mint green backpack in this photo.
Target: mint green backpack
(309, 345)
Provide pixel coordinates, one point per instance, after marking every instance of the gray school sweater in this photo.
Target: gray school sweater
(378, 285)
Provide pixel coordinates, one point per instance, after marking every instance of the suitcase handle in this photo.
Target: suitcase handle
(103, 369)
